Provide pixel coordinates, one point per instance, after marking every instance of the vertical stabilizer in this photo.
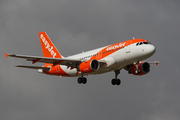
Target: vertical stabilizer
(48, 48)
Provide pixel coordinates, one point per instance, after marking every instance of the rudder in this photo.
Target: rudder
(48, 48)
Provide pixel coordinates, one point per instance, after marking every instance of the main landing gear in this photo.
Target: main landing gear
(116, 81)
(82, 79)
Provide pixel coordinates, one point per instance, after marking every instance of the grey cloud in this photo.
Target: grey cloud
(83, 25)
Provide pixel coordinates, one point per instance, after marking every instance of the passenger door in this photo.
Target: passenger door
(127, 48)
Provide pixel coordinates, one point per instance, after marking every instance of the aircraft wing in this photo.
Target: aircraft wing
(61, 61)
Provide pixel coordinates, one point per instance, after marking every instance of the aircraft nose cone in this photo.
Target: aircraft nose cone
(151, 49)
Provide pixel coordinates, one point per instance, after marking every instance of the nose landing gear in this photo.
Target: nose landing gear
(116, 81)
(137, 71)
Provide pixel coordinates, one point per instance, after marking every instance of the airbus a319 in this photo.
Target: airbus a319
(128, 55)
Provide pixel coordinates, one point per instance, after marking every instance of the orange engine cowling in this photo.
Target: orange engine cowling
(144, 68)
(89, 66)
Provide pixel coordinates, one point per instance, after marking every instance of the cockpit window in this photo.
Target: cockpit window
(145, 42)
(140, 43)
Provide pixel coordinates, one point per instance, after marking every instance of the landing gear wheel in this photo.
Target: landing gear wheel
(82, 80)
(116, 81)
(79, 80)
(113, 81)
(138, 71)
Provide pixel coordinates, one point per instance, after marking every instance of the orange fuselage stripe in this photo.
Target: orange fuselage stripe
(113, 48)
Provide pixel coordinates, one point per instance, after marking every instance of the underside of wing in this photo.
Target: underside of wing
(34, 67)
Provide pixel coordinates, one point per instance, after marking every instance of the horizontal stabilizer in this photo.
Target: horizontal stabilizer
(155, 62)
(34, 67)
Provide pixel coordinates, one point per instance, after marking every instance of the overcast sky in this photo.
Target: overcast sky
(76, 25)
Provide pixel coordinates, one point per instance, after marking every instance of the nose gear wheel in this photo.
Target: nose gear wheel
(116, 81)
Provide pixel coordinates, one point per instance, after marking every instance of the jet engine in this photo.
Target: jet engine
(89, 66)
(143, 68)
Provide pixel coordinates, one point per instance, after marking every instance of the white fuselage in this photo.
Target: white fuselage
(117, 60)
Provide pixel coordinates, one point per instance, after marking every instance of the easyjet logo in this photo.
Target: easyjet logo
(48, 46)
(116, 46)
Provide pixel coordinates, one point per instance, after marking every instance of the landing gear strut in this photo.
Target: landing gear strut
(82, 79)
(116, 81)
(137, 71)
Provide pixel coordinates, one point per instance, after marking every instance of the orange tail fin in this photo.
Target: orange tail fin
(48, 48)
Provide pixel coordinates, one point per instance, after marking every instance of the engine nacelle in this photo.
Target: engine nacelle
(89, 66)
(144, 68)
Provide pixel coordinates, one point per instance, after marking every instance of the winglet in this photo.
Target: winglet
(6, 55)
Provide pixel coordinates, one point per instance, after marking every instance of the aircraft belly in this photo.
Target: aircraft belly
(69, 71)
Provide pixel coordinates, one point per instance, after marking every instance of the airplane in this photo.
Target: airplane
(126, 55)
